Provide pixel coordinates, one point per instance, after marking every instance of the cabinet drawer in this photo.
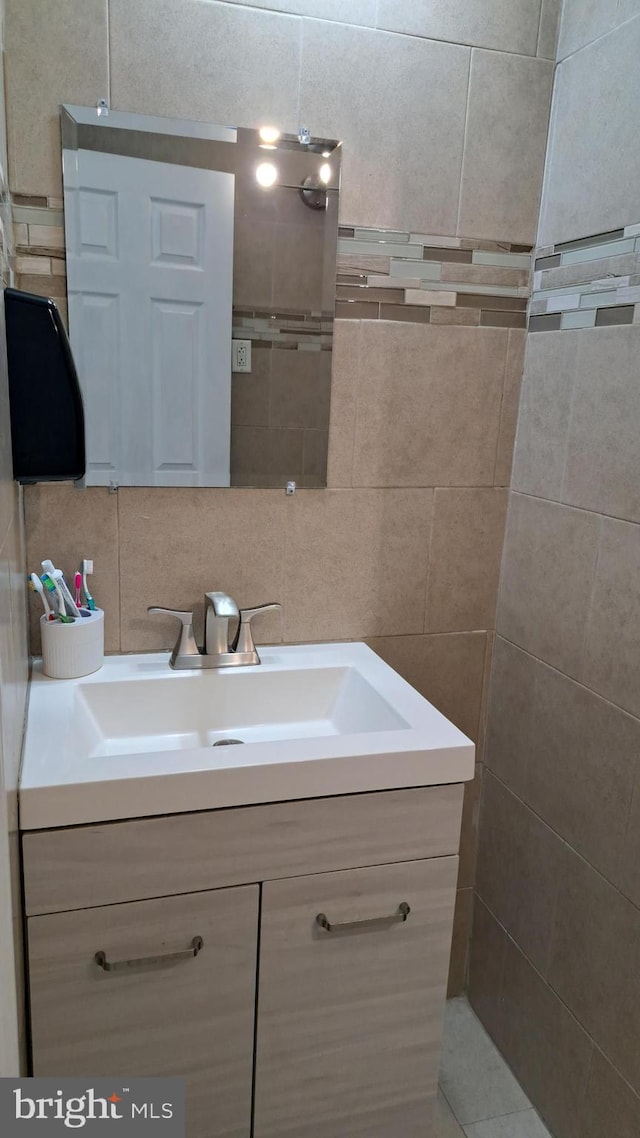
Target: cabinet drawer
(192, 1016)
(349, 1021)
(182, 853)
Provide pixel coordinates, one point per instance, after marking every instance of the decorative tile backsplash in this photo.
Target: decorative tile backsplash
(431, 279)
(588, 283)
(382, 275)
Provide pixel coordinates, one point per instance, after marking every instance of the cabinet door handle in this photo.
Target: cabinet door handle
(371, 923)
(100, 958)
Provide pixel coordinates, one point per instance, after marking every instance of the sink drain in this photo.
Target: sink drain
(226, 742)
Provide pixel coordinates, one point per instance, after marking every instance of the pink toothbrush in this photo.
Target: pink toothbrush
(78, 585)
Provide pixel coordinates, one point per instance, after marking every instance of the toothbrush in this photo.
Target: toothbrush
(58, 576)
(87, 569)
(36, 585)
(52, 587)
(77, 581)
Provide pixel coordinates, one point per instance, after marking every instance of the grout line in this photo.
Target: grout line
(595, 1046)
(385, 31)
(538, 56)
(464, 143)
(570, 505)
(590, 43)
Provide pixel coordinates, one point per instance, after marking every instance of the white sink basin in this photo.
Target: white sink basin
(137, 739)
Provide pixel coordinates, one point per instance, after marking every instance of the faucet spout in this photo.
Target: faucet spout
(219, 609)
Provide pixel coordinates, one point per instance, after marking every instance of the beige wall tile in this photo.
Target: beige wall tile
(191, 67)
(464, 562)
(253, 243)
(49, 60)
(356, 563)
(517, 869)
(462, 921)
(613, 634)
(601, 470)
(66, 525)
(345, 365)
(447, 670)
(627, 876)
(545, 406)
(300, 389)
(511, 710)
(484, 705)
(509, 98)
(549, 28)
(469, 830)
(510, 403)
(593, 157)
(627, 9)
(391, 145)
(544, 1045)
(508, 25)
(582, 766)
(484, 275)
(594, 962)
(264, 456)
(428, 405)
(486, 968)
(357, 12)
(584, 21)
(177, 544)
(549, 564)
(250, 392)
(609, 1097)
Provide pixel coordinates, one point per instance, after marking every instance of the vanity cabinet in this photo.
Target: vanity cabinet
(313, 1008)
(349, 1020)
(190, 1014)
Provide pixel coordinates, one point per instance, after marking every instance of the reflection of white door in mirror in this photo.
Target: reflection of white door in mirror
(150, 264)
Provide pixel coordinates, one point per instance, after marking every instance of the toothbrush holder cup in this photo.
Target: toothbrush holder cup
(72, 650)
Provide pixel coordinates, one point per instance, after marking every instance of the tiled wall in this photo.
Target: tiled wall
(13, 674)
(556, 941)
(443, 111)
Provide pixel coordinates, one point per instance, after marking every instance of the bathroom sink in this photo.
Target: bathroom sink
(137, 739)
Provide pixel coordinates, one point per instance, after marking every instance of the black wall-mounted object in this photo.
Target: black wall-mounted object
(47, 416)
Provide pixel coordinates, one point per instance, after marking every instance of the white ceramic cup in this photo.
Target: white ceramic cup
(72, 650)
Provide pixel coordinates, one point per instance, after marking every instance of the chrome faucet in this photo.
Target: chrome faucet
(218, 651)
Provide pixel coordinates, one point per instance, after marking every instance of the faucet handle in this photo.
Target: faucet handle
(244, 639)
(186, 642)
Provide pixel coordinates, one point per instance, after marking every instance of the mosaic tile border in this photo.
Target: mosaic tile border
(431, 279)
(592, 282)
(301, 331)
(381, 275)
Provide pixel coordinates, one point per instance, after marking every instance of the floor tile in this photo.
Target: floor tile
(522, 1124)
(475, 1079)
(446, 1125)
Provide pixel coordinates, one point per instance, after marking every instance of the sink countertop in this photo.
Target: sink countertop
(350, 724)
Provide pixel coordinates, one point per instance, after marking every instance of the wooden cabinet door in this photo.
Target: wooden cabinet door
(350, 1020)
(192, 1016)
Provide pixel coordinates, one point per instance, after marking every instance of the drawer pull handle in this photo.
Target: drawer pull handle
(100, 958)
(371, 923)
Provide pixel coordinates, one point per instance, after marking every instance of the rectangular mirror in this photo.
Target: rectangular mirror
(201, 269)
